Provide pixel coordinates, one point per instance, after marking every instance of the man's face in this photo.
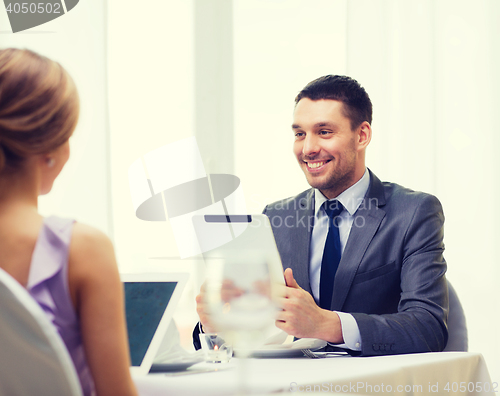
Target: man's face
(330, 154)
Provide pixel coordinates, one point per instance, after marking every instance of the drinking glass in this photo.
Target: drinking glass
(240, 298)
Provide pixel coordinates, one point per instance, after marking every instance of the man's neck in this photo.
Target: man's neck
(343, 186)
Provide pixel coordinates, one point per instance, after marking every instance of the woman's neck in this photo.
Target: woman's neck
(19, 189)
(20, 224)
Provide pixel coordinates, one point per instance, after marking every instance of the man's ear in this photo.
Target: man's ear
(364, 135)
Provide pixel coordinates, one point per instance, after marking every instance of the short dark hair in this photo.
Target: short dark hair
(357, 103)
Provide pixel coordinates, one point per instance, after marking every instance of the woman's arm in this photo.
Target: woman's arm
(97, 294)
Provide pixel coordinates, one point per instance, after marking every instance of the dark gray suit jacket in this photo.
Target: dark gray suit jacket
(391, 277)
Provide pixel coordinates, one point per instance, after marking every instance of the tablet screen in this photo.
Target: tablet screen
(145, 304)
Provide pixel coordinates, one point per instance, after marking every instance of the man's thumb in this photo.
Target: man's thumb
(289, 280)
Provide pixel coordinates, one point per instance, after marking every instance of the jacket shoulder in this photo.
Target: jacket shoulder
(403, 197)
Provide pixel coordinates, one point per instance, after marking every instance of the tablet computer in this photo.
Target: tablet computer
(150, 301)
(235, 238)
(231, 237)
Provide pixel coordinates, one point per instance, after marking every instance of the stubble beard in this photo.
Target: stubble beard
(334, 183)
(339, 179)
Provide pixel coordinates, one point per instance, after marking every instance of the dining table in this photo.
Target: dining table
(440, 373)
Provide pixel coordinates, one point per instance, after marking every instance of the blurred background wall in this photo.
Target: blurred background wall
(227, 72)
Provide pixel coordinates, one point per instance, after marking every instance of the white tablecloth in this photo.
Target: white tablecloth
(446, 373)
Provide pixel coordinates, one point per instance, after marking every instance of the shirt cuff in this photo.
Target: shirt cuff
(350, 332)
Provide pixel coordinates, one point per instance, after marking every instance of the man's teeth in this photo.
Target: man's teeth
(315, 164)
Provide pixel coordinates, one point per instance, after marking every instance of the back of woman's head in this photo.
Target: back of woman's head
(39, 106)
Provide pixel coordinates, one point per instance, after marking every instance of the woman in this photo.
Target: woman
(69, 268)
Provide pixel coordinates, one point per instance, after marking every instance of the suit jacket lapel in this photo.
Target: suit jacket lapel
(367, 220)
(300, 239)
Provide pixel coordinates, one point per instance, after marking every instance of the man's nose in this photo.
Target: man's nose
(311, 146)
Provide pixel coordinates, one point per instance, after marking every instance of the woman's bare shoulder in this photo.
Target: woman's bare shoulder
(85, 236)
(90, 249)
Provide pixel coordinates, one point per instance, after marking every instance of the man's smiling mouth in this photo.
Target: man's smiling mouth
(316, 164)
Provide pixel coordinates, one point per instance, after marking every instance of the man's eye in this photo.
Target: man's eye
(324, 132)
(299, 134)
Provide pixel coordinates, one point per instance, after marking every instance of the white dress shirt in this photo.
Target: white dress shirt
(351, 200)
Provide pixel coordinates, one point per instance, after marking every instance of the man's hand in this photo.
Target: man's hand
(229, 291)
(201, 308)
(301, 316)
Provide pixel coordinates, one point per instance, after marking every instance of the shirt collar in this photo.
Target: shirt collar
(350, 198)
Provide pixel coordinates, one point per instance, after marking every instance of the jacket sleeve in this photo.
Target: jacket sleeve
(196, 336)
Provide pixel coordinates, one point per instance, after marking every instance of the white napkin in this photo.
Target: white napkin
(171, 351)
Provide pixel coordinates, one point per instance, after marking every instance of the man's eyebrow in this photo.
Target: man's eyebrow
(317, 125)
(325, 124)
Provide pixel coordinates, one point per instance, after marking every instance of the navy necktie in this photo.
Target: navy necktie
(331, 254)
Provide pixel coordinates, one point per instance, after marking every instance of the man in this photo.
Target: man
(365, 267)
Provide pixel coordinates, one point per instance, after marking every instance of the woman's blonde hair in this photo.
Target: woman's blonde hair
(39, 106)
